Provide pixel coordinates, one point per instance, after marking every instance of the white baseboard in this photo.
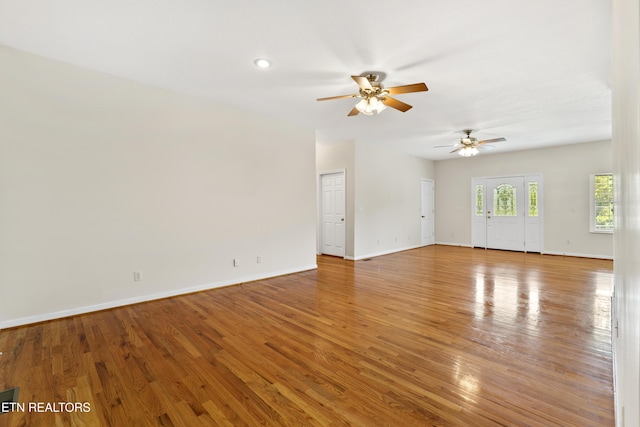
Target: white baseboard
(596, 256)
(144, 298)
(573, 254)
(462, 245)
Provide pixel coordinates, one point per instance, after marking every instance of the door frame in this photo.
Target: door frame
(533, 226)
(319, 234)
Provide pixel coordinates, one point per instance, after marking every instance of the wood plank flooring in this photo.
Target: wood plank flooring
(433, 336)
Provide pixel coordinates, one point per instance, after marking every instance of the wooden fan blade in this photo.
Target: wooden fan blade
(394, 103)
(362, 82)
(353, 112)
(337, 97)
(488, 141)
(416, 87)
(445, 146)
(457, 149)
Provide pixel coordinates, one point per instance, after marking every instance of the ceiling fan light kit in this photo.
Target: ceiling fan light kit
(468, 151)
(370, 105)
(374, 98)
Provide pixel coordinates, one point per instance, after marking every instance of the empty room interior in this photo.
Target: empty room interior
(333, 213)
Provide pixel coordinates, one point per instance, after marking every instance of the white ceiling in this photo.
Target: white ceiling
(536, 72)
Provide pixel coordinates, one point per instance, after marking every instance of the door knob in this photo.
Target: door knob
(341, 219)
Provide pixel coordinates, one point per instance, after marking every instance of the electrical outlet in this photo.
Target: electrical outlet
(236, 262)
(258, 259)
(137, 276)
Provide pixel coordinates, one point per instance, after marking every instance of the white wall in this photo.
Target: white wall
(101, 177)
(387, 200)
(626, 147)
(383, 195)
(332, 157)
(565, 172)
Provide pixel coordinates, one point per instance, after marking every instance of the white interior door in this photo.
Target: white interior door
(333, 213)
(506, 213)
(427, 212)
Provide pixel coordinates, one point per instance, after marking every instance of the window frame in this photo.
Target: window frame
(592, 204)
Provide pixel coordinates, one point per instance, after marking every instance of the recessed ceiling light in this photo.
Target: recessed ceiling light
(262, 63)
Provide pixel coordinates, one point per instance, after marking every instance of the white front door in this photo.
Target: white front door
(506, 213)
(427, 212)
(332, 213)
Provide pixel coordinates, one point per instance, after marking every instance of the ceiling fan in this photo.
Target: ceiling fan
(375, 98)
(468, 145)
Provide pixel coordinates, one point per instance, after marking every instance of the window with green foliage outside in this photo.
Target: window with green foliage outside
(602, 202)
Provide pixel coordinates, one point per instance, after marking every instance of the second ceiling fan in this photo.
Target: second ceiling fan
(374, 97)
(468, 145)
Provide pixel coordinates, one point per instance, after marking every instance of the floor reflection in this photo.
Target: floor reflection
(602, 300)
(509, 294)
(500, 295)
(465, 378)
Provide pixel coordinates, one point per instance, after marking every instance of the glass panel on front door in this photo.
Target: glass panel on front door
(504, 200)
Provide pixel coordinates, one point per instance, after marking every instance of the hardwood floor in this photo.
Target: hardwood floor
(433, 336)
